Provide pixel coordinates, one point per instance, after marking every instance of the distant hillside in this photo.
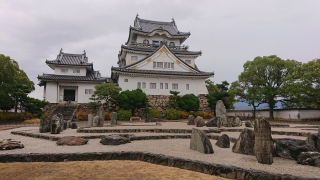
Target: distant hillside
(241, 105)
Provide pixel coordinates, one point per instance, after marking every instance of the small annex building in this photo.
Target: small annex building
(155, 61)
(74, 78)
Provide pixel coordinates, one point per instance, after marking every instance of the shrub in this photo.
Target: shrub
(183, 114)
(107, 115)
(83, 115)
(32, 121)
(124, 115)
(11, 116)
(155, 113)
(210, 115)
(172, 114)
(189, 102)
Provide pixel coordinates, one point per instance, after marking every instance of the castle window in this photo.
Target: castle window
(134, 58)
(154, 64)
(88, 91)
(146, 41)
(174, 86)
(64, 70)
(166, 85)
(143, 85)
(168, 65)
(152, 85)
(160, 64)
(125, 80)
(172, 65)
(188, 61)
(76, 71)
(155, 42)
(139, 85)
(187, 86)
(161, 85)
(171, 44)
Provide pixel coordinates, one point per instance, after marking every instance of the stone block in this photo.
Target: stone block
(200, 142)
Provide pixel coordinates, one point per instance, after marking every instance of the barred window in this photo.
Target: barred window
(187, 86)
(152, 85)
(174, 86)
(125, 80)
(88, 91)
(76, 71)
(160, 64)
(161, 85)
(139, 85)
(143, 85)
(64, 70)
(166, 85)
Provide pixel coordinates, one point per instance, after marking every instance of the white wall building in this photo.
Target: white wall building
(155, 60)
(74, 78)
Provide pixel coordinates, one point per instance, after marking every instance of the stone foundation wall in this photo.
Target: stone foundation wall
(50, 107)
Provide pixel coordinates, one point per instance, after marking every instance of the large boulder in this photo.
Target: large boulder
(291, 149)
(55, 125)
(237, 122)
(95, 121)
(90, 120)
(200, 122)
(223, 141)
(60, 115)
(198, 118)
(221, 112)
(71, 141)
(114, 117)
(74, 126)
(9, 144)
(249, 124)
(263, 141)
(114, 140)
(309, 158)
(43, 125)
(213, 122)
(200, 142)
(313, 140)
(100, 113)
(190, 120)
(245, 142)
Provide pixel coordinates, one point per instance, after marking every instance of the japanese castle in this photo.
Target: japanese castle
(153, 59)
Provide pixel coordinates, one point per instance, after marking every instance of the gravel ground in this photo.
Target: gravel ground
(171, 147)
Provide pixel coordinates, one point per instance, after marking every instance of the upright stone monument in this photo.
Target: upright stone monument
(100, 113)
(60, 115)
(55, 125)
(114, 117)
(200, 142)
(95, 121)
(190, 120)
(43, 125)
(90, 120)
(263, 141)
(221, 112)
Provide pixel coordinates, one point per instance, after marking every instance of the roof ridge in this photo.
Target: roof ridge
(151, 21)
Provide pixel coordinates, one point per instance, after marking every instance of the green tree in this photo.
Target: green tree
(268, 75)
(246, 93)
(189, 102)
(210, 86)
(173, 100)
(221, 93)
(131, 100)
(107, 92)
(14, 82)
(33, 106)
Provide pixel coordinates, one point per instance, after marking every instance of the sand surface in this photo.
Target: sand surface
(171, 147)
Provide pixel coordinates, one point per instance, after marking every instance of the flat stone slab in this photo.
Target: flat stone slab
(139, 124)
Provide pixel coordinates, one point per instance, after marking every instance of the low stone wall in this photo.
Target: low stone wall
(222, 170)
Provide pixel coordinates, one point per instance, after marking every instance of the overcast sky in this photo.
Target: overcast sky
(229, 33)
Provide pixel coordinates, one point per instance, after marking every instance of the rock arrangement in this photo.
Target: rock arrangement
(221, 112)
(314, 140)
(291, 149)
(249, 124)
(90, 120)
(114, 140)
(55, 125)
(198, 118)
(245, 142)
(309, 158)
(71, 141)
(153, 119)
(100, 113)
(223, 141)
(200, 142)
(43, 128)
(60, 115)
(74, 125)
(9, 144)
(200, 122)
(237, 122)
(95, 121)
(212, 122)
(263, 141)
(190, 120)
(114, 117)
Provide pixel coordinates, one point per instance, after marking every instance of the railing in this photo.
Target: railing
(153, 46)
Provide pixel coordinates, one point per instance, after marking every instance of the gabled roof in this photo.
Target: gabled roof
(91, 76)
(160, 47)
(70, 59)
(149, 26)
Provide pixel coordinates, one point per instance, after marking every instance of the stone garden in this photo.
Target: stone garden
(222, 146)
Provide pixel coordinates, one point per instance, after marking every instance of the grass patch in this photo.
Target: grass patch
(96, 170)
(31, 121)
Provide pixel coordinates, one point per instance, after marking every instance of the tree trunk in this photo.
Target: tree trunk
(254, 112)
(271, 111)
(16, 106)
